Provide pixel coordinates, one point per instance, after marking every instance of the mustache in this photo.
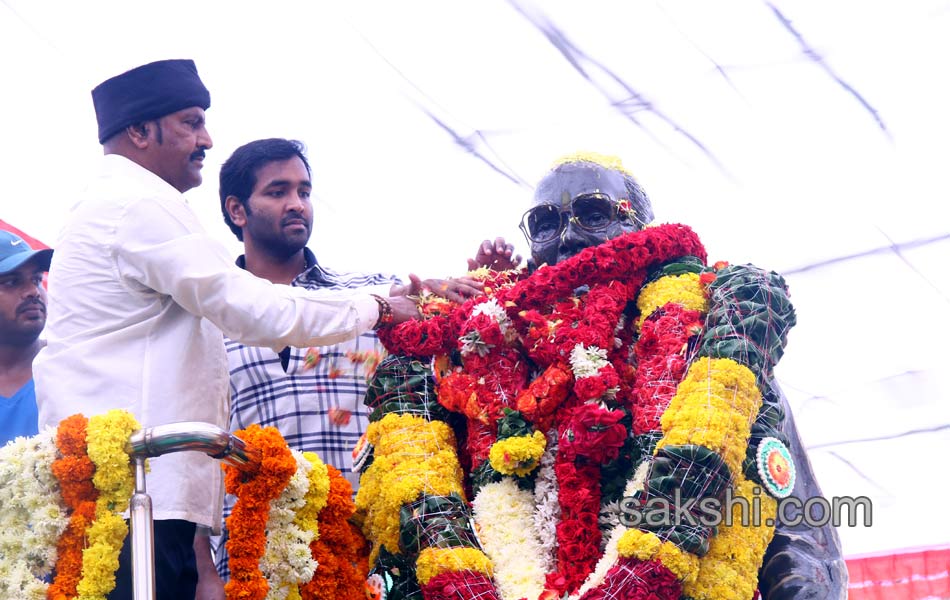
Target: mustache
(197, 154)
(31, 303)
(295, 217)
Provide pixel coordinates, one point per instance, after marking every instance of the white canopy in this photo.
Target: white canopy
(809, 137)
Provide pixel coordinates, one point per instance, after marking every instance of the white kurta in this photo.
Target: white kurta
(138, 298)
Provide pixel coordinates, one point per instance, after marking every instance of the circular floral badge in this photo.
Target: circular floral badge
(776, 467)
(375, 587)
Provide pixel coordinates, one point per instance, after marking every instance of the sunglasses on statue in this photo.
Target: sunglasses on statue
(592, 213)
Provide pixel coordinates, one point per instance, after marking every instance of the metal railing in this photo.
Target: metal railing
(165, 439)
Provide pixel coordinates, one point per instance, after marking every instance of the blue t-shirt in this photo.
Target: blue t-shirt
(18, 415)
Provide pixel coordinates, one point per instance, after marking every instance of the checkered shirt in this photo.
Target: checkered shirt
(316, 403)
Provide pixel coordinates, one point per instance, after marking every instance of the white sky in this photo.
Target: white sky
(805, 174)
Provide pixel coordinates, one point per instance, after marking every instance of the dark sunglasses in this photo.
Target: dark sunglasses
(592, 213)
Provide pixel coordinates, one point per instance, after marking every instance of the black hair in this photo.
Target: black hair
(239, 172)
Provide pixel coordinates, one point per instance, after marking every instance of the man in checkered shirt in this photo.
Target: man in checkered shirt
(313, 396)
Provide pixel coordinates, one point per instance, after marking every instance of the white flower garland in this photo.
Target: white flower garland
(547, 512)
(504, 514)
(32, 515)
(287, 561)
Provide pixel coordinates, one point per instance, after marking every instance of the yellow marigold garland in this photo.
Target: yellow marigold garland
(684, 289)
(730, 570)
(517, 455)
(714, 407)
(107, 439)
(307, 517)
(411, 456)
(436, 561)
(644, 545)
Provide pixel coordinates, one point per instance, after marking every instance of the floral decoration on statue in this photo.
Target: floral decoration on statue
(621, 375)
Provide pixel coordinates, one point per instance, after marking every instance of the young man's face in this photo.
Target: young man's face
(177, 144)
(570, 185)
(22, 303)
(279, 214)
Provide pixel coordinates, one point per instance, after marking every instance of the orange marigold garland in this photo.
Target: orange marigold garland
(74, 472)
(341, 550)
(255, 489)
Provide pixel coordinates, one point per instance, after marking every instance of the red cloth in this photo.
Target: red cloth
(903, 575)
(32, 241)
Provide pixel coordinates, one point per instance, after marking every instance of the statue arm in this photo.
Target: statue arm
(801, 562)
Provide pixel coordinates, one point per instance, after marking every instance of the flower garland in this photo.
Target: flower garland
(724, 572)
(438, 561)
(107, 438)
(666, 325)
(32, 515)
(517, 455)
(684, 289)
(317, 494)
(62, 493)
(620, 259)
(611, 554)
(505, 514)
(246, 525)
(74, 470)
(287, 561)
(340, 550)
(411, 456)
(547, 512)
(591, 396)
(493, 378)
(708, 424)
(578, 534)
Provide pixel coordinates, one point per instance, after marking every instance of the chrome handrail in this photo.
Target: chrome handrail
(193, 436)
(164, 439)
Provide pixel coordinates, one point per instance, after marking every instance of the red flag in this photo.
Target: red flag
(903, 575)
(32, 241)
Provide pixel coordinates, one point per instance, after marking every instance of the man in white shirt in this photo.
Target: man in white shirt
(140, 295)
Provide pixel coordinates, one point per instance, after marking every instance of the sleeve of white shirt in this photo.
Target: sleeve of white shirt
(160, 245)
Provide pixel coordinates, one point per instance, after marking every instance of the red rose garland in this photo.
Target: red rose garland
(632, 579)
(619, 259)
(549, 322)
(459, 585)
(661, 363)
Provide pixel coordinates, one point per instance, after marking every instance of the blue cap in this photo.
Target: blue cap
(14, 251)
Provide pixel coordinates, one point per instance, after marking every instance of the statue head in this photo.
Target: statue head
(585, 200)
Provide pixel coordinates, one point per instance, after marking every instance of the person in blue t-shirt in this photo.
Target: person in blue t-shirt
(22, 318)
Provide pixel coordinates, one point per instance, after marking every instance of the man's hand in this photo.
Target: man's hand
(210, 585)
(496, 256)
(456, 289)
(404, 309)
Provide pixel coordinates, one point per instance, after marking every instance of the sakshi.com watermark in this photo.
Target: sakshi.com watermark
(817, 511)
